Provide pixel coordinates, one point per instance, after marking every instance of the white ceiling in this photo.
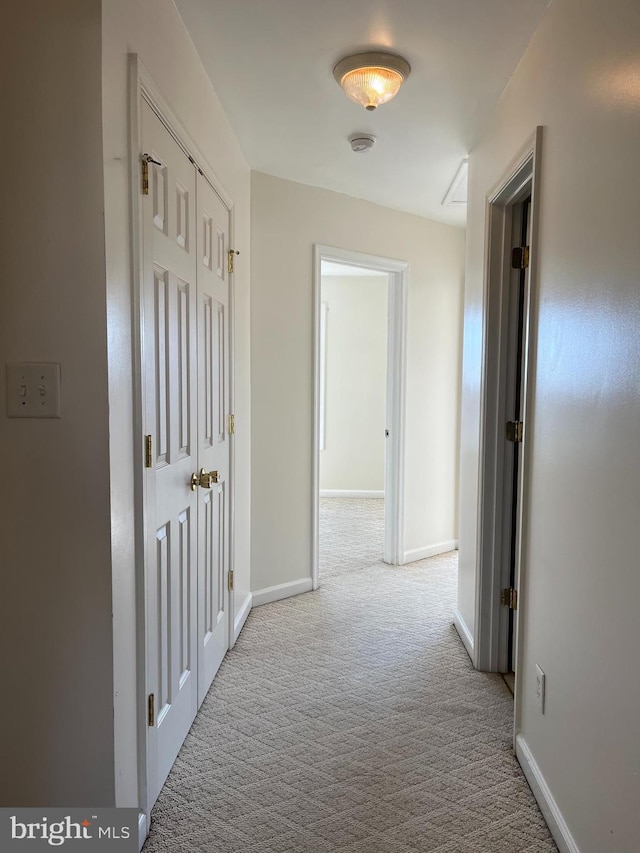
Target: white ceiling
(271, 63)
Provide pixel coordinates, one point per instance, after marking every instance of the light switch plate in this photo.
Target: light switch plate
(33, 390)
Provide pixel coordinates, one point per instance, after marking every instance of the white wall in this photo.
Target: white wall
(579, 598)
(356, 375)
(287, 220)
(56, 713)
(154, 30)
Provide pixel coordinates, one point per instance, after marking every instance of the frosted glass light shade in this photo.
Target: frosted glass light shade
(371, 79)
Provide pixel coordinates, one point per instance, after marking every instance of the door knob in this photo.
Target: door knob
(205, 479)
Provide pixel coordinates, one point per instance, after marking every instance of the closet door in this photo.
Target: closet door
(170, 353)
(213, 432)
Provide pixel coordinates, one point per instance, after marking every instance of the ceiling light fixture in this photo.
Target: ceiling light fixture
(371, 78)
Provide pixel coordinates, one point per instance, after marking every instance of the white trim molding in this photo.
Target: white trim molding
(429, 551)
(241, 618)
(465, 634)
(351, 493)
(398, 272)
(322, 406)
(280, 591)
(545, 799)
(143, 829)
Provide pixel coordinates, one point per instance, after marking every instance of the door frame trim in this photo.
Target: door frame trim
(395, 397)
(143, 88)
(490, 641)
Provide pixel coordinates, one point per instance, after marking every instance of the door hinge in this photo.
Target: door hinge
(514, 431)
(231, 425)
(231, 254)
(230, 580)
(148, 451)
(520, 258)
(151, 708)
(146, 159)
(509, 598)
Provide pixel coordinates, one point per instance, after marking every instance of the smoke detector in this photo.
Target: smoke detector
(362, 142)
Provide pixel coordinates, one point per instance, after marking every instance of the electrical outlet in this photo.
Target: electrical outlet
(540, 685)
(33, 390)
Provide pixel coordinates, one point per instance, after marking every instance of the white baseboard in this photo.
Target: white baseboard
(548, 806)
(143, 829)
(465, 634)
(241, 618)
(429, 551)
(281, 590)
(350, 493)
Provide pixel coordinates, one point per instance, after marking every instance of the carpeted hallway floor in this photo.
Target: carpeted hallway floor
(350, 719)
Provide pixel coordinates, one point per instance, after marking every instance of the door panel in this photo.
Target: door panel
(513, 389)
(170, 376)
(213, 438)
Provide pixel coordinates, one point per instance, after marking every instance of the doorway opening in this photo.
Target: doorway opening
(506, 399)
(358, 458)
(516, 355)
(353, 365)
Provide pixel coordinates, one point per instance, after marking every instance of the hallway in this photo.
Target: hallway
(351, 719)
(351, 535)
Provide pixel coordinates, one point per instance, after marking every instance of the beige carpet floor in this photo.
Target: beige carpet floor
(350, 719)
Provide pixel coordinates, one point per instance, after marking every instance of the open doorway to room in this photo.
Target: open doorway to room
(353, 396)
(360, 308)
(506, 394)
(514, 407)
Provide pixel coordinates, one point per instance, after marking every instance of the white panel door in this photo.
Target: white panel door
(171, 418)
(213, 435)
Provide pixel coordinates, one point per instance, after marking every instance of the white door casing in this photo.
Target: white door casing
(520, 179)
(213, 433)
(171, 419)
(395, 408)
(515, 316)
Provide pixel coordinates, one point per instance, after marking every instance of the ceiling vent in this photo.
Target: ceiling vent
(457, 192)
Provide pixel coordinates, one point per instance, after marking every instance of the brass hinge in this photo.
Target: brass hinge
(231, 254)
(520, 258)
(231, 425)
(230, 580)
(151, 708)
(509, 598)
(146, 159)
(145, 177)
(514, 431)
(148, 451)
